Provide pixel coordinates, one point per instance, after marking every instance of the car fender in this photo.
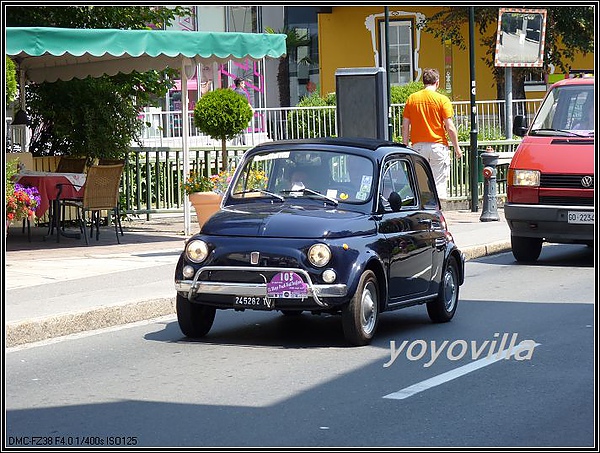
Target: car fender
(368, 259)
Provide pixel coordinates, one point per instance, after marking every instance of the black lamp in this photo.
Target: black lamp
(21, 118)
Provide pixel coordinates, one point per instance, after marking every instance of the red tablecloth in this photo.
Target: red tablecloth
(46, 185)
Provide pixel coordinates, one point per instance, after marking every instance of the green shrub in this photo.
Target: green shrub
(11, 81)
(485, 134)
(222, 115)
(312, 123)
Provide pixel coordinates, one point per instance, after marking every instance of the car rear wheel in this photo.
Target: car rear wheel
(443, 307)
(526, 249)
(194, 320)
(360, 316)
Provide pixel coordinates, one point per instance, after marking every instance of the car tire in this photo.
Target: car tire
(443, 307)
(361, 315)
(194, 320)
(291, 313)
(524, 249)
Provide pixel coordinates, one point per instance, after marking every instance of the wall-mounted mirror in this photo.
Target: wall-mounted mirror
(520, 39)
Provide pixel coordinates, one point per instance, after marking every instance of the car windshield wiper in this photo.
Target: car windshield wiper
(560, 131)
(305, 190)
(264, 192)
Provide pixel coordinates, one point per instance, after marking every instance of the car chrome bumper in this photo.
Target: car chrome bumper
(195, 286)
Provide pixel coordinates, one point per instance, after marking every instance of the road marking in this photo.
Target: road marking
(452, 374)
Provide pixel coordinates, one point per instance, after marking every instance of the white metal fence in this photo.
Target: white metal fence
(163, 128)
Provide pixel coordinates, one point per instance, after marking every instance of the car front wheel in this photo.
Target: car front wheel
(443, 307)
(526, 249)
(194, 320)
(360, 316)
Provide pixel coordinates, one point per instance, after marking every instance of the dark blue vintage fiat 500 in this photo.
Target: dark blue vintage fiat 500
(346, 226)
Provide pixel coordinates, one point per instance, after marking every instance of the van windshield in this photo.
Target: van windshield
(567, 110)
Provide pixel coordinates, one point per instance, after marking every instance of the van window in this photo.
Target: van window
(567, 108)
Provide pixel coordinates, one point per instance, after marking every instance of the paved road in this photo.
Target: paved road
(261, 379)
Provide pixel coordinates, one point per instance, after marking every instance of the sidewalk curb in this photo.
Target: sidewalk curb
(35, 330)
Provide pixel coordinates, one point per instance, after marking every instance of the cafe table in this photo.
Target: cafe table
(52, 188)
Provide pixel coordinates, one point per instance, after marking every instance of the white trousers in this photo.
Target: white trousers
(438, 156)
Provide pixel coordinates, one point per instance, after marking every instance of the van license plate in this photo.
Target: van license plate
(583, 217)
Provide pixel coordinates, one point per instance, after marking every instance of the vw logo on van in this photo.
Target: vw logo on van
(587, 181)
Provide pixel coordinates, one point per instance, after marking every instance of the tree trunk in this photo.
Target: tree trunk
(223, 155)
(283, 80)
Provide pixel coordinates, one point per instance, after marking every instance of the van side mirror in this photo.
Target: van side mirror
(519, 126)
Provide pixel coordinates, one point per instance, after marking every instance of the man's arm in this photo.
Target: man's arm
(453, 134)
(405, 130)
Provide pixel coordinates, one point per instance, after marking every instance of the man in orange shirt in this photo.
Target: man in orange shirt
(426, 120)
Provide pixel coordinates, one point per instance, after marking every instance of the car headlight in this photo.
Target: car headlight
(529, 178)
(197, 251)
(319, 255)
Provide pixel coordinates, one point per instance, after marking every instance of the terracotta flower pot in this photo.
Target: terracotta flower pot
(205, 204)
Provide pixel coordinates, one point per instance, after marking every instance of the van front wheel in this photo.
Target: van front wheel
(524, 249)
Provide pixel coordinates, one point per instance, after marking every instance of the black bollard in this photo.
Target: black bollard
(490, 188)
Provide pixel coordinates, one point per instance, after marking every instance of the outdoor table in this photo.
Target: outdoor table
(51, 193)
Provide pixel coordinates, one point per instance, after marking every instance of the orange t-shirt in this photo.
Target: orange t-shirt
(427, 110)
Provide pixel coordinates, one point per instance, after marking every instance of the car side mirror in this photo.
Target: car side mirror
(395, 201)
(519, 126)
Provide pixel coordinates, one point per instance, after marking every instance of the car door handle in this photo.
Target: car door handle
(425, 222)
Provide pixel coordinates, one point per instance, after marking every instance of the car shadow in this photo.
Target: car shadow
(275, 330)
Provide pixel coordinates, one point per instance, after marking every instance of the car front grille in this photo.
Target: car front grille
(564, 181)
(567, 201)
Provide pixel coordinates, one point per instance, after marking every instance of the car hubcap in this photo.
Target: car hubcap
(368, 312)
(449, 290)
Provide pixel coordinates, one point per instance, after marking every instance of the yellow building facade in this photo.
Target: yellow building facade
(352, 37)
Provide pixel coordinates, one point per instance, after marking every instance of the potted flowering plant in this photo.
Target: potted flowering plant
(205, 192)
(21, 201)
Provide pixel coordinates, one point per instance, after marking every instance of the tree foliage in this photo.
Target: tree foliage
(92, 117)
(292, 42)
(222, 114)
(11, 81)
(568, 31)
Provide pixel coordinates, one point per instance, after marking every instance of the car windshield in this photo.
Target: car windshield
(327, 176)
(567, 110)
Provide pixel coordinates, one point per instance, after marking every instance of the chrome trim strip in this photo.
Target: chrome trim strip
(192, 287)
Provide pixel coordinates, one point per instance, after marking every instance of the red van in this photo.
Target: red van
(550, 192)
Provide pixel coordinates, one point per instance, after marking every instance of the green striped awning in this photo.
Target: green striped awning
(49, 54)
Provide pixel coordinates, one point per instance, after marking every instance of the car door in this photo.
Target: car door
(406, 231)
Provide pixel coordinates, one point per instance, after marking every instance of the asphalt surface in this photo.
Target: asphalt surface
(53, 289)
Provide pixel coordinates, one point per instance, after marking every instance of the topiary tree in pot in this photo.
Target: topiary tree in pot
(222, 115)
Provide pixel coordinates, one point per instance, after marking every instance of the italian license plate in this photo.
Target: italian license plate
(253, 302)
(582, 217)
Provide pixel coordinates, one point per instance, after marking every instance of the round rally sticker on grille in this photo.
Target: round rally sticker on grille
(287, 285)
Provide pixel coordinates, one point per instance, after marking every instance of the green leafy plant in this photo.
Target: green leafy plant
(314, 122)
(222, 114)
(11, 81)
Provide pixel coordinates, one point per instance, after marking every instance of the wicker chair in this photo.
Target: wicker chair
(101, 192)
(71, 165)
(103, 161)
